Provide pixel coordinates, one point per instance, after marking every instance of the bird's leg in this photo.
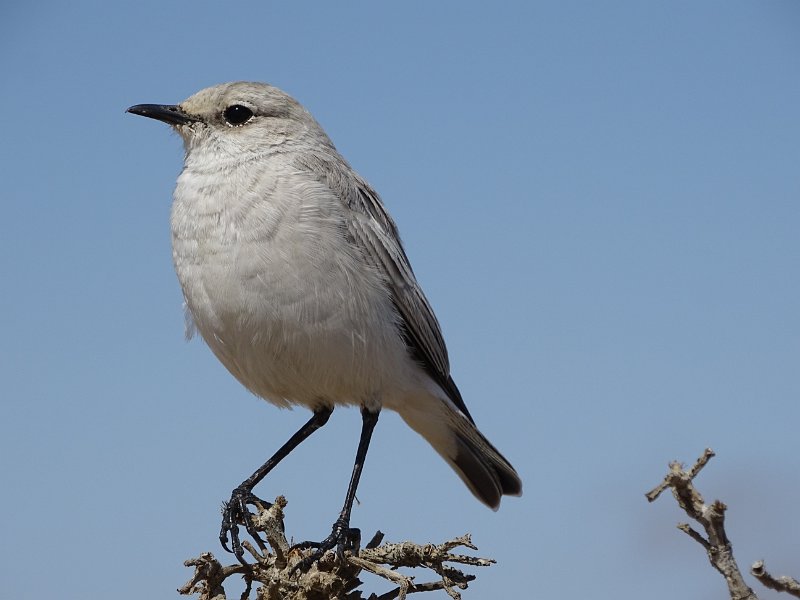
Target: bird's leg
(235, 511)
(342, 537)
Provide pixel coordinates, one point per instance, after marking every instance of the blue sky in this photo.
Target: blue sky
(601, 201)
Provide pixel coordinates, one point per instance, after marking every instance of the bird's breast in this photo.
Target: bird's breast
(279, 294)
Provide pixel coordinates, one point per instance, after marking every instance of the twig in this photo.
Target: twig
(781, 584)
(208, 577)
(330, 577)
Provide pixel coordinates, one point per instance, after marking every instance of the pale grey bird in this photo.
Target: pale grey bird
(294, 274)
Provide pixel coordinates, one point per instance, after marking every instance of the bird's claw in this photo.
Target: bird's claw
(235, 513)
(342, 538)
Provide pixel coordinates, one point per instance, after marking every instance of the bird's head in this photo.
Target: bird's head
(237, 120)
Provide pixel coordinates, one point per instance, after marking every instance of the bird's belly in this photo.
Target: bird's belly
(293, 325)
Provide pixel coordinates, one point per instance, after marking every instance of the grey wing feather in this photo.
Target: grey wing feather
(374, 231)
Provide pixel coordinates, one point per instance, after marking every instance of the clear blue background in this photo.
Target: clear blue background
(601, 200)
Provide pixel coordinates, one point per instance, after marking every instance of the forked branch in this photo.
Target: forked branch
(716, 543)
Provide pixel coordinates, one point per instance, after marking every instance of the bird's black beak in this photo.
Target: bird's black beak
(168, 113)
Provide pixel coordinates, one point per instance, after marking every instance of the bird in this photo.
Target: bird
(294, 275)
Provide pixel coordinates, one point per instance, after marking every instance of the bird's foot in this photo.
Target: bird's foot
(342, 538)
(235, 513)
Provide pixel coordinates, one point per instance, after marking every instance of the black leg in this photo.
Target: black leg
(342, 537)
(235, 511)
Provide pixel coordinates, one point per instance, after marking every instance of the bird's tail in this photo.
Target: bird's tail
(485, 471)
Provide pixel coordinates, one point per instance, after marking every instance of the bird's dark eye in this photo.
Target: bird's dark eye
(237, 114)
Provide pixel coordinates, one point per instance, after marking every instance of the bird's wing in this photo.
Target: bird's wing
(375, 233)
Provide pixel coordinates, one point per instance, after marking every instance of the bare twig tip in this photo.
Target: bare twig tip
(780, 584)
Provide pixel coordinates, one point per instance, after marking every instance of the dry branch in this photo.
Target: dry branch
(781, 584)
(330, 578)
(716, 543)
(711, 517)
